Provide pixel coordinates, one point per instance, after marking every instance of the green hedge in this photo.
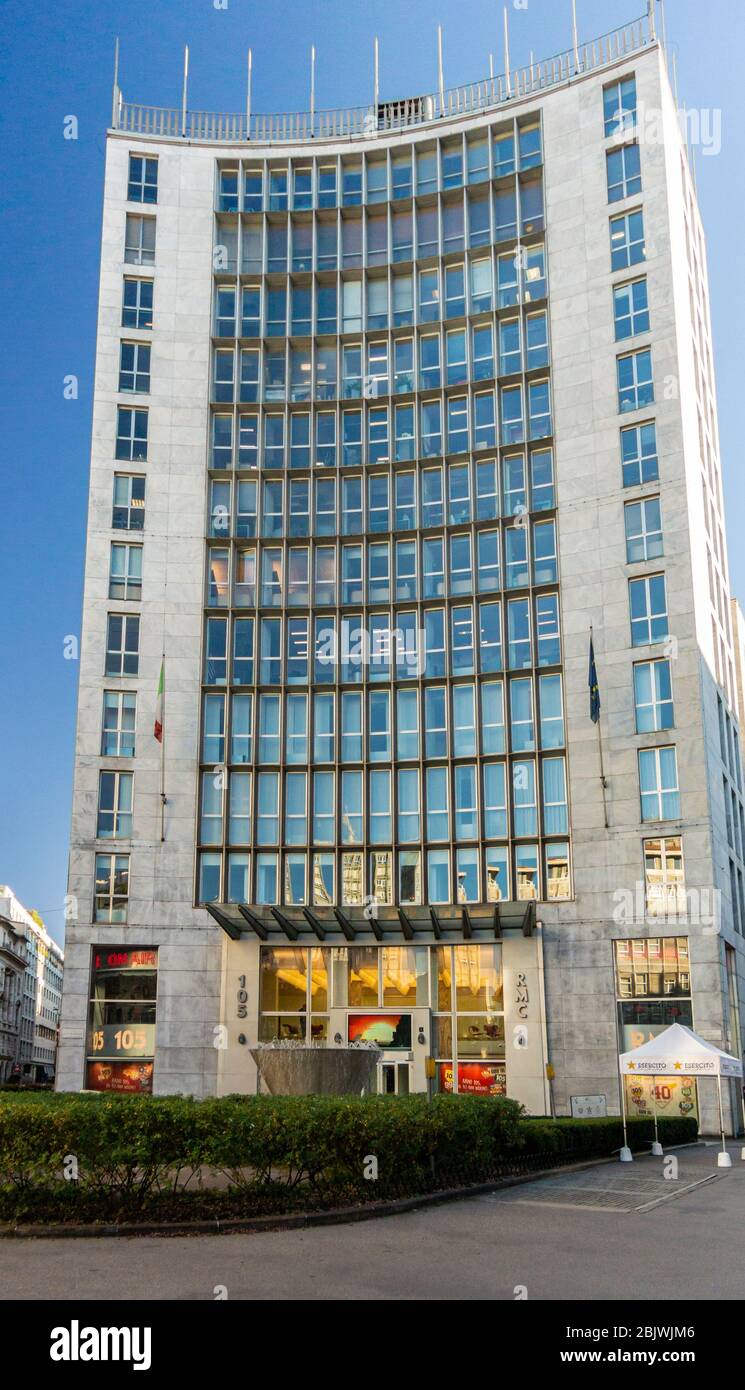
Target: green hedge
(174, 1158)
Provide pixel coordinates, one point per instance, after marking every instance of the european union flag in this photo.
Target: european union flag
(592, 680)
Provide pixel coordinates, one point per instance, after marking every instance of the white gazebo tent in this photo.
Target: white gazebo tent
(678, 1051)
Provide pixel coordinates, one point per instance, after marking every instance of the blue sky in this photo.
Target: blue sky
(56, 61)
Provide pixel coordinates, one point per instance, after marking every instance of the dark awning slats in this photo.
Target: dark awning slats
(315, 925)
(258, 926)
(229, 926)
(448, 922)
(290, 930)
(345, 924)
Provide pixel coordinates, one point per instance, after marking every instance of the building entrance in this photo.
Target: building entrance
(394, 1078)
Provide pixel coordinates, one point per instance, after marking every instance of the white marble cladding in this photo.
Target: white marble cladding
(161, 911)
(578, 935)
(594, 578)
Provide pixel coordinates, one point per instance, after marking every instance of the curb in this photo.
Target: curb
(336, 1216)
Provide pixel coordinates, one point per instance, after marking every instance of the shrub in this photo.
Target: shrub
(174, 1158)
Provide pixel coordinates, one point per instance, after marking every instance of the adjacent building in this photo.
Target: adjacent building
(30, 993)
(12, 971)
(393, 407)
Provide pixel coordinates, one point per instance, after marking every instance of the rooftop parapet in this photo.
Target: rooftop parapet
(382, 118)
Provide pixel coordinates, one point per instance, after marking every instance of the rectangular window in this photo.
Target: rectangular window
(438, 875)
(239, 809)
(111, 894)
(619, 106)
(142, 185)
(492, 717)
(139, 240)
(435, 722)
(635, 382)
(225, 311)
(490, 637)
(630, 309)
(267, 808)
(380, 805)
(495, 800)
(555, 813)
(122, 644)
(131, 434)
(536, 340)
(125, 572)
(648, 609)
(627, 246)
(464, 721)
(241, 729)
(664, 876)
(639, 454)
(211, 821)
(643, 529)
(118, 724)
(121, 1019)
(128, 513)
(653, 696)
(624, 172)
(137, 303)
(438, 818)
(551, 711)
(296, 812)
(429, 362)
(541, 480)
(658, 784)
(351, 807)
(407, 724)
(114, 805)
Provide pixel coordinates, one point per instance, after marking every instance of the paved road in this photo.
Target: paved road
(541, 1235)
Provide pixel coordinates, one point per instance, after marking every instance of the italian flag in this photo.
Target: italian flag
(158, 730)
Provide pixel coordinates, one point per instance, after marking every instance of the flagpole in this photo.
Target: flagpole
(163, 786)
(603, 781)
(163, 755)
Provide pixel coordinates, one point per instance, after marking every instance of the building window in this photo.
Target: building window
(653, 990)
(658, 782)
(142, 185)
(630, 309)
(619, 106)
(121, 1019)
(653, 696)
(122, 644)
(635, 383)
(627, 246)
(648, 608)
(131, 434)
(125, 572)
(111, 888)
(139, 240)
(623, 172)
(134, 367)
(654, 968)
(128, 512)
(137, 303)
(643, 530)
(664, 876)
(118, 725)
(639, 454)
(114, 805)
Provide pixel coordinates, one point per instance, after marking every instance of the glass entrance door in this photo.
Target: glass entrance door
(394, 1078)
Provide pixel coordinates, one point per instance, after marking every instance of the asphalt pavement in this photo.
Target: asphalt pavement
(622, 1232)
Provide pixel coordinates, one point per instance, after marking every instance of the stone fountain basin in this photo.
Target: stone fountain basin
(324, 1071)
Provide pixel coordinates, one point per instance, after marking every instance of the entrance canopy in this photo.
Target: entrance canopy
(478, 922)
(678, 1049)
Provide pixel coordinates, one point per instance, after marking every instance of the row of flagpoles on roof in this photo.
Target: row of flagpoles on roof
(376, 66)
